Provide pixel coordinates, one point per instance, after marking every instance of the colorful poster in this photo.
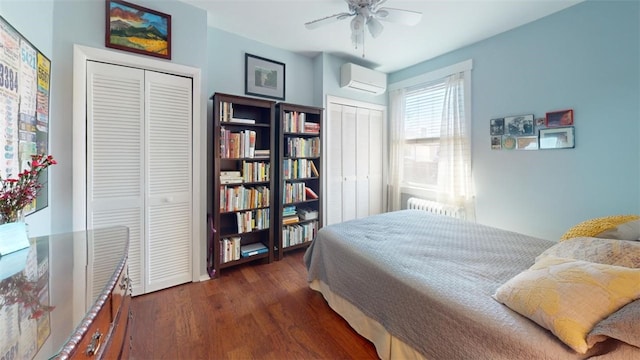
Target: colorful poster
(9, 100)
(24, 107)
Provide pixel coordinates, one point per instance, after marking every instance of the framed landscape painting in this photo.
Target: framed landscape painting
(264, 77)
(137, 29)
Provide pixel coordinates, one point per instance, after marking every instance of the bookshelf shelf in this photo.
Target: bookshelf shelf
(243, 174)
(299, 164)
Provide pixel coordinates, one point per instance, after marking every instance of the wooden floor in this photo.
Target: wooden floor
(256, 311)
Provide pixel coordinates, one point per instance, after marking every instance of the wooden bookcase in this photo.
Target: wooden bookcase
(243, 208)
(299, 213)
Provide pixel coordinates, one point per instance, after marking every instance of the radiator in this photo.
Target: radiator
(435, 207)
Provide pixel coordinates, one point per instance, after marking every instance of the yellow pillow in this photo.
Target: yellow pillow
(596, 226)
(569, 297)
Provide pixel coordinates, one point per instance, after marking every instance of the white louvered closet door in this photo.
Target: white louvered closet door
(355, 156)
(333, 195)
(139, 168)
(363, 148)
(349, 161)
(168, 191)
(376, 154)
(115, 155)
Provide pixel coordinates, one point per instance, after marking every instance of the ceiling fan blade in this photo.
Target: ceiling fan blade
(327, 20)
(406, 17)
(375, 27)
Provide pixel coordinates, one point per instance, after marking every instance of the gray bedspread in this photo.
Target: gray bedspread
(428, 280)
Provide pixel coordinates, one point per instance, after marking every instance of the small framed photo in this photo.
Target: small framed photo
(508, 142)
(497, 126)
(264, 77)
(496, 142)
(560, 118)
(557, 138)
(137, 29)
(519, 125)
(527, 143)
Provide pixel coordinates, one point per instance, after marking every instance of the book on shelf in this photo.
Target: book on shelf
(289, 210)
(314, 170)
(310, 193)
(226, 111)
(231, 180)
(231, 177)
(243, 121)
(292, 219)
(253, 249)
(232, 173)
(310, 127)
(307, 214)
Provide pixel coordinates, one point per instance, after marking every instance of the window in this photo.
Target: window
(423, 115)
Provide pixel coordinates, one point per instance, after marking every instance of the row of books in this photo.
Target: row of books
(255, 171)
(232, 249)
(296, 192)
(300, 147)
(249, 221)
(298, 168)
(299, 233)
(237, 144)
(226, 114)
(296, 122)
(234, 198)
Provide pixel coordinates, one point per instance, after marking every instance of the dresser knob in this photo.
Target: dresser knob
(94, 345)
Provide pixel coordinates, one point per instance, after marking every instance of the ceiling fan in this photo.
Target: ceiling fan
(369, 13)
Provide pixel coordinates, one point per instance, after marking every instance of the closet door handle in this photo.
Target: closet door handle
(168, 199)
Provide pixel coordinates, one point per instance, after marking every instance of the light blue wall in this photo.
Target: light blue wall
(331, 83)
(83, 22)
(226, 66)
(585, 58)
(33, 19)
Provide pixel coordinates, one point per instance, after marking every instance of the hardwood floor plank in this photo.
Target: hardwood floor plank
(255, 311)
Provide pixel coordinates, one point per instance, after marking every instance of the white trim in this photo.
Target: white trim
(82, 54)
(466, 65)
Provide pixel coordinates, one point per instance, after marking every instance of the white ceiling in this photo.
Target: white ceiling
(446, 25)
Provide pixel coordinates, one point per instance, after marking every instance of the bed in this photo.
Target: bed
(423, 286)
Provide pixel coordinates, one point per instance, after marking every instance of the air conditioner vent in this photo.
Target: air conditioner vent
(360, 78)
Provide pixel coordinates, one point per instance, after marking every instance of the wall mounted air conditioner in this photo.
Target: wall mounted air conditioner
(360, 78)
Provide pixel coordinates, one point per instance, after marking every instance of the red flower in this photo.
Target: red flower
(16, 194)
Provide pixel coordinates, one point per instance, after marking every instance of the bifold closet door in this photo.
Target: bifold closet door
(139, 168)
(376, 156)
(354, 163)
(169, 184)
(115, 155)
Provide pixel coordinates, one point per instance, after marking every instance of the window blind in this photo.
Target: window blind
(423, 110)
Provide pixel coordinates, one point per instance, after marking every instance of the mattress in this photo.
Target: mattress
(425, 281)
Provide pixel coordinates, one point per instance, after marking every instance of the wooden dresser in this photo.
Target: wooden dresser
(68, 296)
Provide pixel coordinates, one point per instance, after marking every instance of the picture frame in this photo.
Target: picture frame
(559, 118)
(264, 77)
(496, 142)
(497, 126)
(137, 29)
(519, 125)
(557, 138)
(527, 143)
(508, 142)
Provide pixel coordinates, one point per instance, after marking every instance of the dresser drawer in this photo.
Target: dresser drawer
(120, 291)
(118, 345)
(95, 338)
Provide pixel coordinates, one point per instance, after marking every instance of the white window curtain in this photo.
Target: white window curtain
(455, 183)
(436, 104)
(397, 140)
